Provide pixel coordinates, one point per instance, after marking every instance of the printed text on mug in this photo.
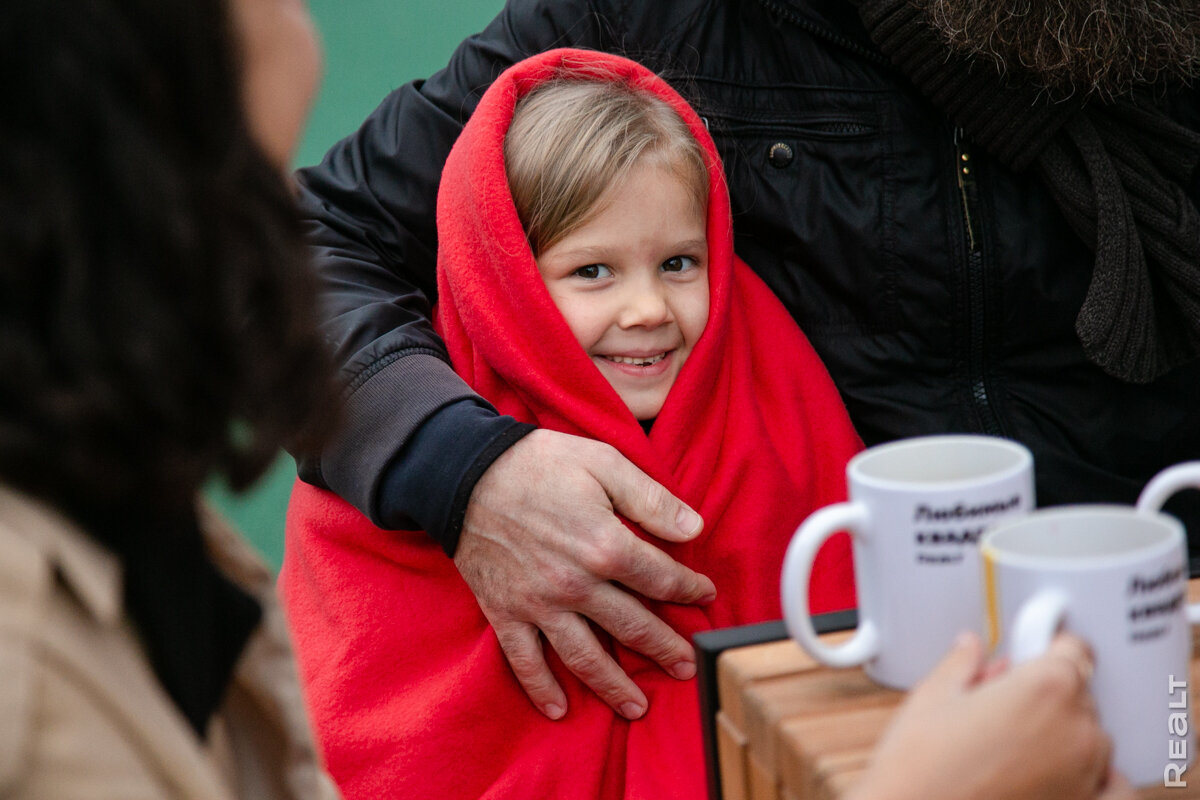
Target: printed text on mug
(943, 530)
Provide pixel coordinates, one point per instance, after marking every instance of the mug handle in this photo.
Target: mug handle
(797, 570)
(1159, 490)
(1038, 620)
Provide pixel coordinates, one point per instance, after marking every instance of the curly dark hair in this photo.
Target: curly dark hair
(157, 313)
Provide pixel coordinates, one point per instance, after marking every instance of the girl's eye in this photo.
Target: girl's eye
(678, 264)
(593, 271)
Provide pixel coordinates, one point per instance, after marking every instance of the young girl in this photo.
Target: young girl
(587, 284)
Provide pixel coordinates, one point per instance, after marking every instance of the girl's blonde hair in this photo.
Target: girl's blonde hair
(573, 138)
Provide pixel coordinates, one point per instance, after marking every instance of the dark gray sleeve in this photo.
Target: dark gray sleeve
(369, 211)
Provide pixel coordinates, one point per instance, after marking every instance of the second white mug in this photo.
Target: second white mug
(1117, 577)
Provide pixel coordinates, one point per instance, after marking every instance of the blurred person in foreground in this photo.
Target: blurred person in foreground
(156, 328)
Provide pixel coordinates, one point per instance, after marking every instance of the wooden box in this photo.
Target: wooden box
(779, 726)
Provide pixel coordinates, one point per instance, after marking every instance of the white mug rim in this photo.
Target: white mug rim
(856, 475)
(1174, 538)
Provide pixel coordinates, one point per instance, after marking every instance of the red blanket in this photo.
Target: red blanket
(406, 684)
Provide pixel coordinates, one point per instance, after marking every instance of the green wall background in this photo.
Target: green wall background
(371, 48)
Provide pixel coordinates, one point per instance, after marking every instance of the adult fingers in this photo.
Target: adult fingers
(1075, 652)
(544, 560)
(644, 500)
(1058, 703)
(1064, 672)
(649, 571)
(636, 627)
(581, 652)
(523, 649)
(994, 669)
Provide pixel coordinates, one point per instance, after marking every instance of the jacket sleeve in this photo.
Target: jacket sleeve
(369, 211)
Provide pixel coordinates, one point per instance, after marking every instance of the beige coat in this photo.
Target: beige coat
(81, 713)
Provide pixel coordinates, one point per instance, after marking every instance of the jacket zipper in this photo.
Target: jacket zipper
(986, 416)
(981, 402)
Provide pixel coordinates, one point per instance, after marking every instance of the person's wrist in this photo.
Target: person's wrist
(428, 484)
(505, 439)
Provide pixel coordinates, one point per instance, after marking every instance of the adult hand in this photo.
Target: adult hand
(1031, 732)
(541, 549)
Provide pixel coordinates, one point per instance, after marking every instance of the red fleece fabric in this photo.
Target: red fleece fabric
(407, 687)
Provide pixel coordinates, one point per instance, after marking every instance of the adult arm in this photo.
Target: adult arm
(528, 517)
(370, 212)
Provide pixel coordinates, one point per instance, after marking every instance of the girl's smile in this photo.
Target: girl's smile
(640, 366)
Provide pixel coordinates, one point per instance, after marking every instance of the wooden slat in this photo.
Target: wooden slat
(738, 668)
(812, 747)
(770, 702)
(834, 785)
(731, 752)
(763, 783)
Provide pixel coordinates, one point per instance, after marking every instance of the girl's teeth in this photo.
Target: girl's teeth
(644, 362)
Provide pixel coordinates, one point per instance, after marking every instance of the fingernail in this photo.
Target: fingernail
(683, 670)
(707, 598)
(554, 711)
(688, 522)
(631, 711)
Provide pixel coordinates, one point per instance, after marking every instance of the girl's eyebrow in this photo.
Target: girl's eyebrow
(584, 251)
(600, 252)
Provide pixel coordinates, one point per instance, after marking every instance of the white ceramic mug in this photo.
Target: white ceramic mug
(916, 510)
(1117, 577)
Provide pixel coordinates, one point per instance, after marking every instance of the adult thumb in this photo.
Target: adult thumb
(647, 502)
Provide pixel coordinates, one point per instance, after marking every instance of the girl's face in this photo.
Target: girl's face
(281, 70)
(632, 283)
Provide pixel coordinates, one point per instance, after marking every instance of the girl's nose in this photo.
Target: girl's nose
(645, 306)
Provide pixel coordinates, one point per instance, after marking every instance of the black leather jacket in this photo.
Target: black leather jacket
(940, 289)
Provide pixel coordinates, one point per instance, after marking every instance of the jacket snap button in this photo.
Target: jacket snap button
(780, 155)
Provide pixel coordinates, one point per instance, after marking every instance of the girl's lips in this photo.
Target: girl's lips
(646, 367)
